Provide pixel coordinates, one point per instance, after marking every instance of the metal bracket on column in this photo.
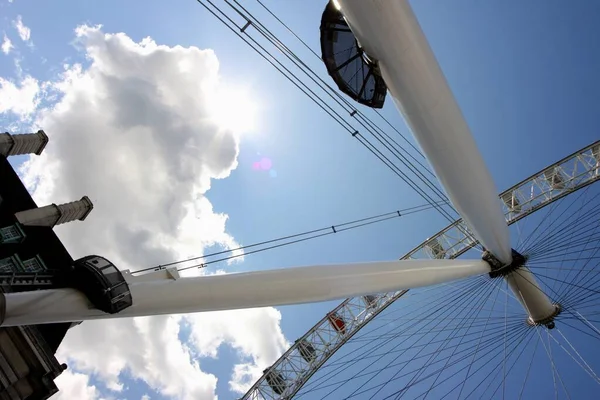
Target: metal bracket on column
(500, 269)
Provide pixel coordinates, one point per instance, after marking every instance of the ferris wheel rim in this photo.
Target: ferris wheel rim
(588, 157)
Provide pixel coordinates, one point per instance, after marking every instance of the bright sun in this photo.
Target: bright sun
(234, 109)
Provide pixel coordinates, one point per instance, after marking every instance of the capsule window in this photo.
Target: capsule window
(337, 323)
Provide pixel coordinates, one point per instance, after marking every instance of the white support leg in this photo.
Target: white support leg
(525, 287)
(390, 33)
(535, 302)
(160, 293)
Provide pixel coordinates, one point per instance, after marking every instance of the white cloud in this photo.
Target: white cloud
(145, 397)
(74, 385)
(147, 348)
(255, 333)
(24, 31)
(7, 45)
(132, 131)
(21, 99)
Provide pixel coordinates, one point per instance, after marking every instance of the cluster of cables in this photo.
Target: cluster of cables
(229, 254)
(405, 161)
(407, 164)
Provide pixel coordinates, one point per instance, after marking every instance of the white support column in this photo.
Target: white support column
(161, 293)
(28, 143)
(390, 33)
(53, 214)
(527, 290)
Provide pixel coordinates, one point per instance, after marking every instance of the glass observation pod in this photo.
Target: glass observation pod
(102, 283)
(307, 350)
(354, 72)
(555, 178)
(337, 322)
(275, 380)
(370, 300)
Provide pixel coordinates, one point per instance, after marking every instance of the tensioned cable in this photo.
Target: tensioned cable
(299, 237)
(505, 354)
(377, 132)
(269, 57)
(285, 49)
(341, 100)
(319, 58)
(413, 337)
(373, 347)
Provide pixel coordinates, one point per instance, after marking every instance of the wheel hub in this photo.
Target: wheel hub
(524, 285)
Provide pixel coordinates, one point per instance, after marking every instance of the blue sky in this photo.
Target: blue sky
(524, 74)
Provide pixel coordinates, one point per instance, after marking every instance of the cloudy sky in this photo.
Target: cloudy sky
(162, 117)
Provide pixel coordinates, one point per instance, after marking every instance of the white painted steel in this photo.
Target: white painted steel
(526, 289)
(244, 290)
(390, 33)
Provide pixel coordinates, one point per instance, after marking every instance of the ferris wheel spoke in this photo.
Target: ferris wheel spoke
(559, 252)
(519, 333)
(552, 228)
(566, 221)
(462, 386)
(582, 245)
(528, 370)
(406, 374)
(417, 340)
(575, 355)
(469, 351)
(462, 340)
(439, 310)
(584, 302)
(486, 360)
(522, 345)
(583, 231)
(553, 370)
(535, 237)
(553, 367)
(520, 227)
(434, 372)
(575, 286)
(432, 359)
(423, 311)
(480, 309)
(579, 297)
(580, 277)
(580, 233)
(593, 334)
(550, 267)
(555, 251)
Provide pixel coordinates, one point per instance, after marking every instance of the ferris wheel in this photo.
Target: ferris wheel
(392, 338)
(478, 310)
(467, 339)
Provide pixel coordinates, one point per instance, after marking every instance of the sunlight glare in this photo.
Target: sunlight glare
(234, 108)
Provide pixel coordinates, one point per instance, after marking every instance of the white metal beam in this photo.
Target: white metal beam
(390, 33)
(164, 295)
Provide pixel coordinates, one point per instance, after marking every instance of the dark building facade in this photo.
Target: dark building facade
(32, 257)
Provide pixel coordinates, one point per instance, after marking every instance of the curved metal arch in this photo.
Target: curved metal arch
(577, 170)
